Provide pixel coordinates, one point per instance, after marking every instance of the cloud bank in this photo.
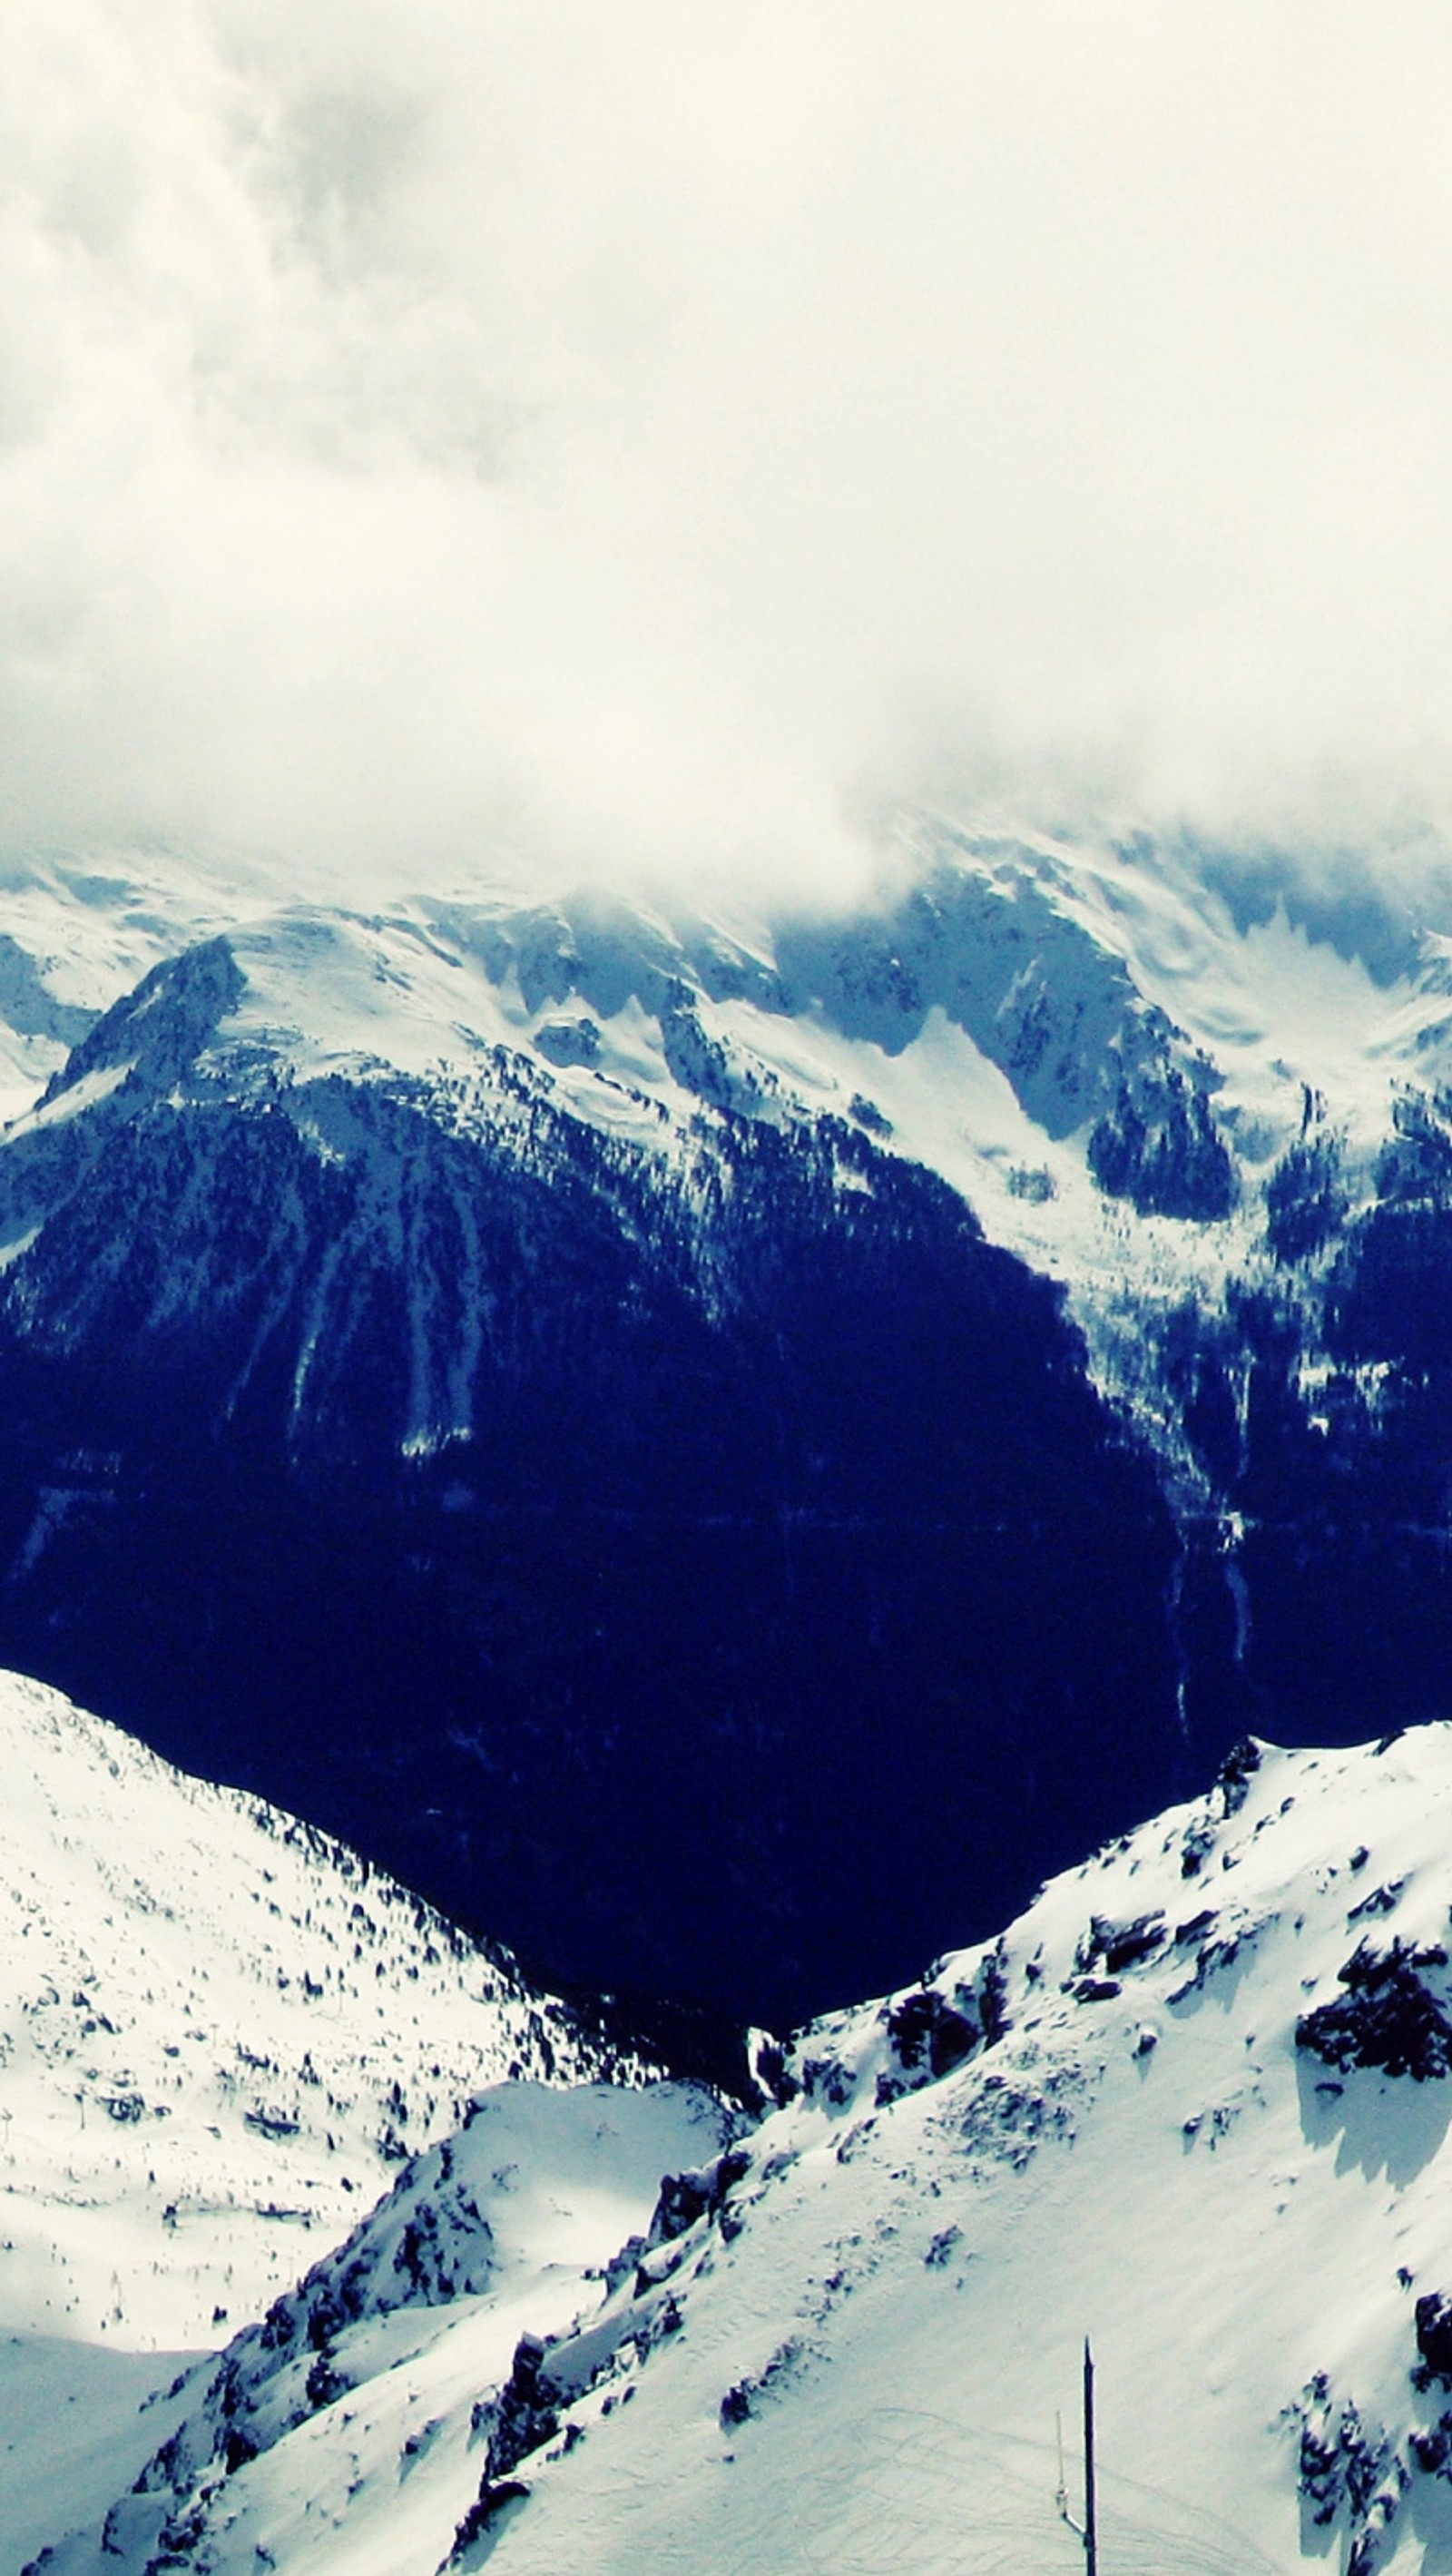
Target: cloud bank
(660, 440)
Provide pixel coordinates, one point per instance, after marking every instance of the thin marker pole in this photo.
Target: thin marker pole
(1091, 2528)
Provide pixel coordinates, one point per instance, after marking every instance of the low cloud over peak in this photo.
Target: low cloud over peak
(649, 443)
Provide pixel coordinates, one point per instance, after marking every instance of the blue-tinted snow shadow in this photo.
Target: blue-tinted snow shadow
(1429, 2513)
(1219, 1982)
(1318, 2539)
(1385, 2124)
(79, 2425)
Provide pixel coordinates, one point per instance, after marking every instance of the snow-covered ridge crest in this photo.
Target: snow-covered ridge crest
(1076, 1037)
(350, 2418)
(1101, 1047)
(220, 2034)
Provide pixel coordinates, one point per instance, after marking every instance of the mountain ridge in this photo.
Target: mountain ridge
(472, 1243)
(1195, 2100)
(383, 1355)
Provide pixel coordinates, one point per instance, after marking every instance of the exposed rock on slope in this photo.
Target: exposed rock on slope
(345, 2426)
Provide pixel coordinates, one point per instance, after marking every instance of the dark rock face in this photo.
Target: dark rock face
(928, 2037)
(1315, 1410)
(1117, 1946)
(1160, 1149)
(1388, 2017)
(621, 1545)
(1306, 1202)
(525, 2412)
(1348, 2471)
(1236, 1773)
(163, 1026)
(1041, 999)
(701, 2193)
(1434, 2338)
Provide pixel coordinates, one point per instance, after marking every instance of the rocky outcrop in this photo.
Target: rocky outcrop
(1391, 2015)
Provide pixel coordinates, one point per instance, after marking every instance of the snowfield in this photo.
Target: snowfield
(222, 2035)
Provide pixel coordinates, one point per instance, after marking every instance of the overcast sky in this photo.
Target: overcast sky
(636, 435)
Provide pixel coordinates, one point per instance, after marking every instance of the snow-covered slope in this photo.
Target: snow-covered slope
(345, 2429)
(221, 2034)
(1194, 2103)
(1107, 1047)
(1038, 980)
(222, 2037)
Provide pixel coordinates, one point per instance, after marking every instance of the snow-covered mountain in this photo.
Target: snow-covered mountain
(916, 1383)
(221, 2037)
(1194, 2102)
(357, 2400)
(197, 2044)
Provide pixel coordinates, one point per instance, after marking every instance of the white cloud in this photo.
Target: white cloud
(659, 437)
